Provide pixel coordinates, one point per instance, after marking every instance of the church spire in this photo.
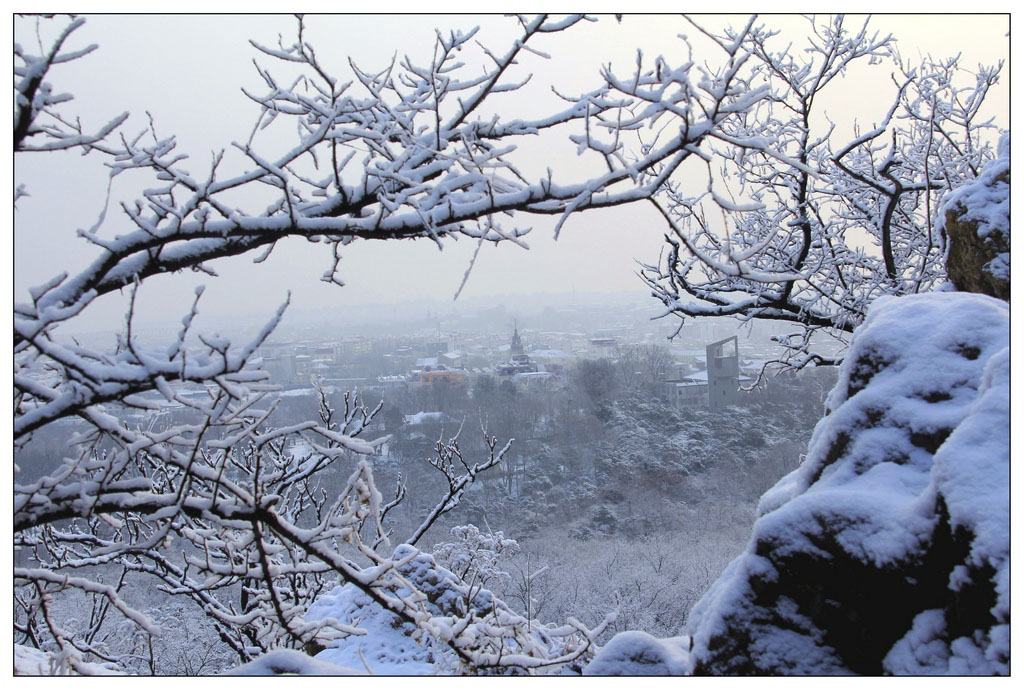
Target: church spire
(516, 348)
(518, 361)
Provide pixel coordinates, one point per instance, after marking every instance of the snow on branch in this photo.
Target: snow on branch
(218, 508)
(800, 225)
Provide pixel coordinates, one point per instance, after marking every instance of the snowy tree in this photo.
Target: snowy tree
(475, 554)
(799, 219)
(219, 505)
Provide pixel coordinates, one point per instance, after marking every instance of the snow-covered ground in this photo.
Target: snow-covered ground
(29, 661)
(386, 649)
(291, 662)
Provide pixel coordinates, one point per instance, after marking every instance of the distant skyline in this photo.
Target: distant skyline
(414, 314)
(187, 70)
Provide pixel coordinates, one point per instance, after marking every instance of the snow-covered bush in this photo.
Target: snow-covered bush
(30, 661)
(650, 582)
(474, 555)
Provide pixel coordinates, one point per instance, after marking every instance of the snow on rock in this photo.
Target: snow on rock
(985, 199)
(635, 653)
(976, 219)
(887, 550)
(970, 484)
(290, 662)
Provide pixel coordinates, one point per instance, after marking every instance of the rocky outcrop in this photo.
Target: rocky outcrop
(887, 550)
(976, 218)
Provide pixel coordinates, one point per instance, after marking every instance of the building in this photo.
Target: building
(687, 391)
(723, 372)
(303, 367)
(451, 359)
(718, 386)
(281, 368)
(518, 361)
(430, 370)
(439, 372)
(533, 379)
(391, 383)
(552, 361)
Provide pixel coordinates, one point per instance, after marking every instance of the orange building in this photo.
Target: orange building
(440, 372)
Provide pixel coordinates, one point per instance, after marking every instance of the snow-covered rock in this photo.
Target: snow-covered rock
(976, 220)
(887, 550)
(635, 653)
(290, 662)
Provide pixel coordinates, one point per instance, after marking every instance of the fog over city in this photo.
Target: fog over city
(415, 345)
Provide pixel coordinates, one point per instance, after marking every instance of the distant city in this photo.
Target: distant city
(531, 341)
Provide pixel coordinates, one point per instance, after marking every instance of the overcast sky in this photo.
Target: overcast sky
(186, 71)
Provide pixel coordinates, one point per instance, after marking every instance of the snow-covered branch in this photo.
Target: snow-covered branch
(217, 508)
(799, 225)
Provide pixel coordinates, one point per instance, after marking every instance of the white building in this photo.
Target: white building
(687, 391)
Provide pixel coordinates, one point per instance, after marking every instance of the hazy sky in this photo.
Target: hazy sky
(186, 72)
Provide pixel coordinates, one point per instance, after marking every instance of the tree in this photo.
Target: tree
(595, 379)
(797, 222)
(219, 507)
(655, 361)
